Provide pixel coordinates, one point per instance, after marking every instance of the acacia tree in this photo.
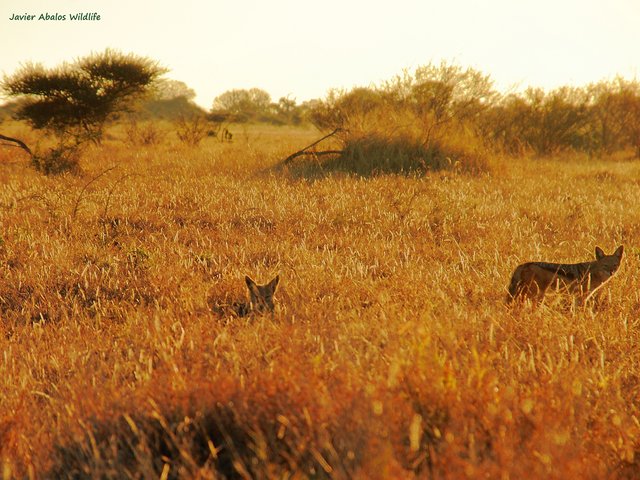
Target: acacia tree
(75, 101)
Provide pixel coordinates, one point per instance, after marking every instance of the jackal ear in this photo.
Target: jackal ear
(599, 253)
(251, 285)
(274, 283)
(620, 250)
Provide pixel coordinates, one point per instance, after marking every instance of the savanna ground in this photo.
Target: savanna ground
(391, 354)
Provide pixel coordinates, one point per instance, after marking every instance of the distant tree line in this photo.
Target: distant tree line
(436, 115)
(439, 101)
(255, 105)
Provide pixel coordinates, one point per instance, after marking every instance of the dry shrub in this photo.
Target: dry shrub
(412, 125)
(143, 134)
(191, 130)
(58, 160)
(376, 155)
(372, 154)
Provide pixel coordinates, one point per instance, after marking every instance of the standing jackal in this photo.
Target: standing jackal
(583, 279)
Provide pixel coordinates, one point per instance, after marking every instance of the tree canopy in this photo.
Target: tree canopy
(75, 100)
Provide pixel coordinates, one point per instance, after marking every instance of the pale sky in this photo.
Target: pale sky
(303, 48)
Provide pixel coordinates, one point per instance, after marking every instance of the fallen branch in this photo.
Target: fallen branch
(316, 154)
(20, 143)
(304, 150)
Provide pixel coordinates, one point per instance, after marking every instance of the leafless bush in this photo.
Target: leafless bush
(143, 135)
(192, 130)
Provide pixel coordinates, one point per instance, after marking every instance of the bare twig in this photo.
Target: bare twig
(76, 206)
(316, 154)
(304, 152)
(112, 190)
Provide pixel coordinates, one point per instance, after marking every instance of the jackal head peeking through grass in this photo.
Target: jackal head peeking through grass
(532, 279)
(260, 300)
(261, 296)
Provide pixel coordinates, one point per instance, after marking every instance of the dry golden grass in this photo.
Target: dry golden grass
(391, 354)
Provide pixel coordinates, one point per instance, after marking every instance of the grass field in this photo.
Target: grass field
(391, 354)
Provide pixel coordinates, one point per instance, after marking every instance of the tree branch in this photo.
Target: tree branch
(304, 152)
(20, 143)
(315, 154)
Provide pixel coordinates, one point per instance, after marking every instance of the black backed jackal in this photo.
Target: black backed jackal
(261, 296)
(260, 300)
(531, 280)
